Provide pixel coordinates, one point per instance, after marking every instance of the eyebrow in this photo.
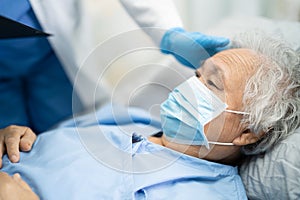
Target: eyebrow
(214, 70)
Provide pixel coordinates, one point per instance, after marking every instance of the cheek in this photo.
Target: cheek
(214, 129)
(232, 128)
(223, 128)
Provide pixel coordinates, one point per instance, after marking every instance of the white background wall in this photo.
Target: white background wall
(196, 14)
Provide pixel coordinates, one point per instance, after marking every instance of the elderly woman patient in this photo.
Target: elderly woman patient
(242, 101)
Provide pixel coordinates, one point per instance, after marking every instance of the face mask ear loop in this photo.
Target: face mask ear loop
(237, 112)
(221, 143)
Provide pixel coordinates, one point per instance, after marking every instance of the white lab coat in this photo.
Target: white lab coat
(69, 23)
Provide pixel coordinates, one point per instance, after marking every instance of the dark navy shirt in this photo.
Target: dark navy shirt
(19, 56)
(34, 88)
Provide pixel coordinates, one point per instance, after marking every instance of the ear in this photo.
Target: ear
(246, 138)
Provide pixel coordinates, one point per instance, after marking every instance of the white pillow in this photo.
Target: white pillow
(276, 174)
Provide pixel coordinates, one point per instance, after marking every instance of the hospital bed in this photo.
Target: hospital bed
(275, 175)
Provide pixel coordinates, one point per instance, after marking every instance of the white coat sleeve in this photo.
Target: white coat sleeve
(160, 14)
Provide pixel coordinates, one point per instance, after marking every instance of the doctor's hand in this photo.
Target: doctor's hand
(13, 139)
(14, 188)
(190, 48)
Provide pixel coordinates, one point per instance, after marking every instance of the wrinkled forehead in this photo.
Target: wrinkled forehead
(232, 65)
(242, 62)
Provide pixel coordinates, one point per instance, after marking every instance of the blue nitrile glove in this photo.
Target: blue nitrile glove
(190, 48)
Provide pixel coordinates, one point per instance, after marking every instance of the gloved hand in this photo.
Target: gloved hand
(190, 48)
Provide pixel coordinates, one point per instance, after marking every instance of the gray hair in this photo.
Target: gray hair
(272, 94)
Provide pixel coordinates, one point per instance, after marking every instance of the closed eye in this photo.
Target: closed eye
(209, 82)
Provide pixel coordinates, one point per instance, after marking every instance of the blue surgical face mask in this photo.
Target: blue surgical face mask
(188, 108)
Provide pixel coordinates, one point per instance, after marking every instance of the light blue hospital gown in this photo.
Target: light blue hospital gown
(106, 157)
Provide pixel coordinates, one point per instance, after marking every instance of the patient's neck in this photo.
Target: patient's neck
(231, 159)
(156, 140)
